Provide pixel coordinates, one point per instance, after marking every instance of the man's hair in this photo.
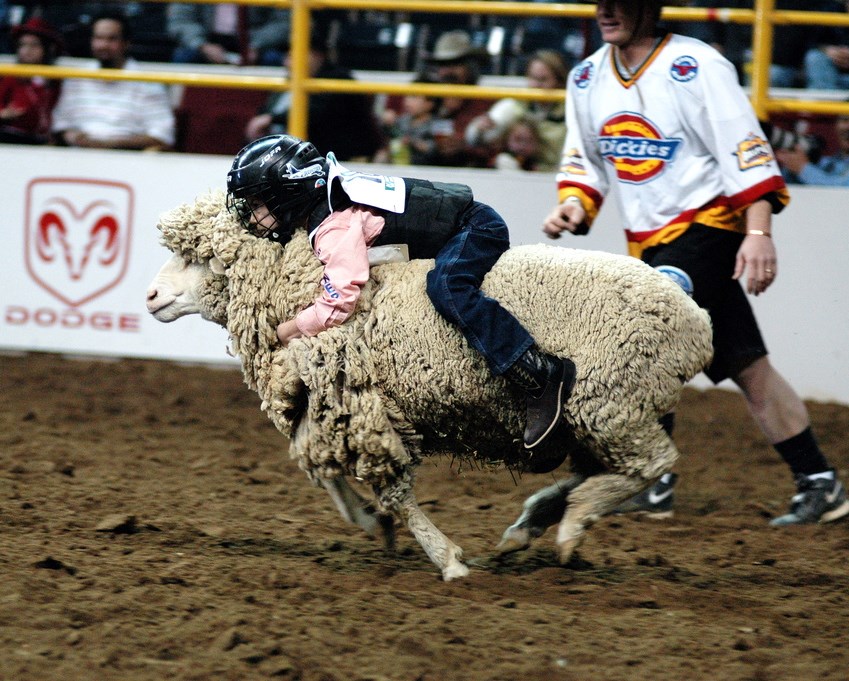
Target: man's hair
(655, 7)
(112, 15)
(648, 10)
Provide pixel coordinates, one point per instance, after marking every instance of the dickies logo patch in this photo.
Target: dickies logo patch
(636, 147)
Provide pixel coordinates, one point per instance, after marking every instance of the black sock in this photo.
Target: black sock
(667, 422)
(802, 453)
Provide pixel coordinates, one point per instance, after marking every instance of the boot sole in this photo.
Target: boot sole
(559, 418)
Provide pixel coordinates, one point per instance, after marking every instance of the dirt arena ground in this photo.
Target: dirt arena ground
(153, 527)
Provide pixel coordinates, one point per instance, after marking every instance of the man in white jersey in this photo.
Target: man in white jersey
(108, 114)
(663, 119)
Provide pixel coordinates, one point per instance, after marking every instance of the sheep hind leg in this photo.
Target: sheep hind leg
(540, 511)
(440, 549)
(356, 510)
(589, 501)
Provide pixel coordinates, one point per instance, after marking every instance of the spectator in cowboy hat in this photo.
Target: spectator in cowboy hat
(456, 60)
(26, 104)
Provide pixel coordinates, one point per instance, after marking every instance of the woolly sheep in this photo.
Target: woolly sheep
(395, 381)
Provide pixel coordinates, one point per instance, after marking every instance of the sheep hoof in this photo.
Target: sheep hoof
(566, 548)
(514, 539)
(454, 571)
(387, 531)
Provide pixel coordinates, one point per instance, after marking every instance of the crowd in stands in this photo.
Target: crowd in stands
(420, 130)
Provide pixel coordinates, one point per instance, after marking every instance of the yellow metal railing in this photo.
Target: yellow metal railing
(762, 18)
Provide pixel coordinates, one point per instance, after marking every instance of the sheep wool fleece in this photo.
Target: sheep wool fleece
(396, 381)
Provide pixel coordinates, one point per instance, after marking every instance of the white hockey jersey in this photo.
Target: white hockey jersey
(679, 139)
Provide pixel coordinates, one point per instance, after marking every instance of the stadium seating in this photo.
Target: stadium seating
(150, 40)
(212, 120)
(374, 46)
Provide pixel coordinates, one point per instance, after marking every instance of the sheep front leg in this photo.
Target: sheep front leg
(595, 497)
(540, 511)
(354, 509)
(440, 549)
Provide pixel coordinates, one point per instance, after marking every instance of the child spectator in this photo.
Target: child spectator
(523, 146)
(412, 138)
(26, 104)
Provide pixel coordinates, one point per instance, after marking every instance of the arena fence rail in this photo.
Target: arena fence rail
(763, 18)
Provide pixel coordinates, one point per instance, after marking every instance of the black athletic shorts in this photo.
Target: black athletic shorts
(701, 260)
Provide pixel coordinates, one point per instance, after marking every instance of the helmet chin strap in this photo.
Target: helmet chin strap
(282, 232)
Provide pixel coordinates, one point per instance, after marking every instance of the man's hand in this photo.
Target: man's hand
(258, 126)
(10, 113)
(839, 55)
(76, 138)
(569, 216)
(757, 253)
(794, 160)
(214, 53)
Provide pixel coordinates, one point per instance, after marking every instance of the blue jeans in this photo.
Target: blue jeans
(822, 74)
(453, 286)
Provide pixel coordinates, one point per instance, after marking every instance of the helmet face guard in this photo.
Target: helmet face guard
(255, 210)
(274, 184)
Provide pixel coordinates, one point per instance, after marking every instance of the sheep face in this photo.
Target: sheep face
(182, 288)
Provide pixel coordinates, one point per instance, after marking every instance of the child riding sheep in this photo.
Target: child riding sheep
(279, 184)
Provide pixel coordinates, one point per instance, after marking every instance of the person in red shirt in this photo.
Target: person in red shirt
(26, 104)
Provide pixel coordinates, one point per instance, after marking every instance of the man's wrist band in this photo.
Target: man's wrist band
(758, 232)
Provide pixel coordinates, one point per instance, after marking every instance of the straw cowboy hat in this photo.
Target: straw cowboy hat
(455, 46)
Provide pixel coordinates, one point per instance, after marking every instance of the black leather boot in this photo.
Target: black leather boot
(548, 381)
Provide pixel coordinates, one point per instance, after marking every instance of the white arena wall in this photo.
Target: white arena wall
(85, 293)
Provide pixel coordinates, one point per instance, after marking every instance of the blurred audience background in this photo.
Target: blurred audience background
(343, 123)
(546, 70)
(425, 46)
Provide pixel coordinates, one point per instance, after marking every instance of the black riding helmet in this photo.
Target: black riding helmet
(284, 173)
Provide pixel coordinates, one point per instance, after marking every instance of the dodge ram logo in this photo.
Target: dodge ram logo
(77, 236)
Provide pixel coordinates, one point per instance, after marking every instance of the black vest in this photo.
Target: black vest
(432, 215)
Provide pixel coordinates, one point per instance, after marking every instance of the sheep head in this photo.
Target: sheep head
(201, 230)
(246, 284)
(193, 280)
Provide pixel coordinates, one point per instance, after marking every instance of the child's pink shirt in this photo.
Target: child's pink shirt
(341, 242)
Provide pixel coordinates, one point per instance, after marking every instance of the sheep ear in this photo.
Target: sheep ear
(216, 265)
(226, 236)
